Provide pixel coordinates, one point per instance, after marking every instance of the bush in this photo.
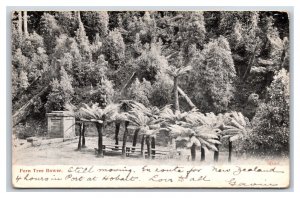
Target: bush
(31, 128)
(103, 93)
(270, 133)
(162, 91)
(140, 91)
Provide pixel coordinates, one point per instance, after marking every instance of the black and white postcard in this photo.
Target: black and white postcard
(150, 99)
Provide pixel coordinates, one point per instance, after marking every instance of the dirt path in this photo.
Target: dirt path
(57, 152)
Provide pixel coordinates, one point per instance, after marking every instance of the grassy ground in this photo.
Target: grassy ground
(58, 152)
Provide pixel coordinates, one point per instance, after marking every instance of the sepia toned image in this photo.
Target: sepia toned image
(150, 99)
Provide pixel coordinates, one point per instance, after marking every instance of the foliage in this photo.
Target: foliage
(82, 40)
(67, 54)
(197, 124)
(61, 92)
(68, 21)
(171, 117)
(96, 22)
(161, 91)
(103, 93)
(31, 128)
(23, 80)
(214, 75)
(151, 63)
(144, 119)
(31, 44)
(193, 28)
(140, 91)
(98, 114)
(235, 126)
(270, 133)
(231, 60)
(150, 111)
(114, 49)
(50, 30)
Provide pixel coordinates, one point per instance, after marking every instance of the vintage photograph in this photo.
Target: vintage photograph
(107, 93)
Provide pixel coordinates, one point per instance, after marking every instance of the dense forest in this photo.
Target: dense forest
(220, 62)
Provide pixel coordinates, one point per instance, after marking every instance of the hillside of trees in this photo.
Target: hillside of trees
(238, 61)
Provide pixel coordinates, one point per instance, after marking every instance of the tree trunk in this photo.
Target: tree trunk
(142, 145)
(230, 151)
(129, 82)
(153, 147)
(216, 153)
(175, 92)
(173, 143)
(284, 58)
(118, 124)
(20, 31)
(125, 139)
(83, 135)
(136, 132)
(26, 91)
(187, 99)
(79, 141)
(25, 110)
(25, 24)
(202, 154)
(100, 139)
(148, 146)
(193, 152)
(250, 62)
(78, 16)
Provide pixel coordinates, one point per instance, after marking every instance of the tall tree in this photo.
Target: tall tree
(25, 23)
(176, 73)
(83, 41)
(151, 63)
(140, 91)
(61, 92)
(50, 31)
(214, 75)
(20, 21)
(68, 21)
(100, 116)
(114, 49)
(191, 30)
(96, 22)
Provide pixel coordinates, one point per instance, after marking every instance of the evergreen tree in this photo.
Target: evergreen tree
(148, 29)
(140, 91)
(162, 90)
(151, 63)
(23, 80)
(61, 92)
(83, 42)
(239, 60)
(14, 82)
(67, 54)
(68, 22)
(191, 30)
(50, 31)
(96, 22)
(114, 49)
(214, 74)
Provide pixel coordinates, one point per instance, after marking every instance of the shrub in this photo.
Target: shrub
(140, 91)
(32, 127)
(270, 133)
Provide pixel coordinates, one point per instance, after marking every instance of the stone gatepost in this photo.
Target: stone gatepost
(61, 124)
